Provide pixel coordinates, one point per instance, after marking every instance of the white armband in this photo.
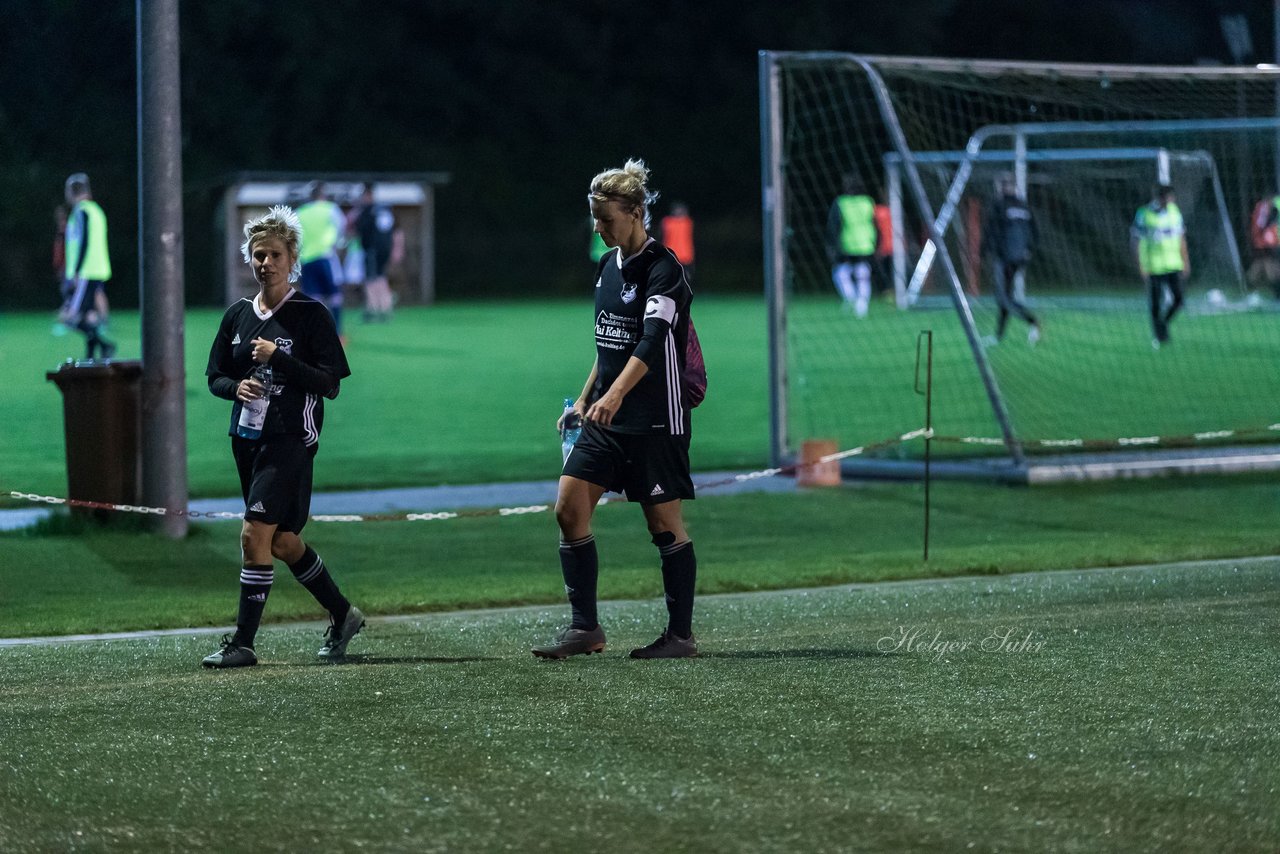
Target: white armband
(661, 307)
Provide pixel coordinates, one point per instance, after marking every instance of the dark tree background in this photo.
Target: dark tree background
(521, 100)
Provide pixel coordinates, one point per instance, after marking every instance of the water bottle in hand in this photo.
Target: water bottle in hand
(570, 428)
(254, 413)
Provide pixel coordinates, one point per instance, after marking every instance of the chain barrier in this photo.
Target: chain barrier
(1125, 442)
(922, 433)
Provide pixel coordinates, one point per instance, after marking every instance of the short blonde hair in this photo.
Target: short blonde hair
(280, 223)
(628, 186)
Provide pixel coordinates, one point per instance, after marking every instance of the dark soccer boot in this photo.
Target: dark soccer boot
(668, 646)
(336, 637)
(572, 641)
(231, 655)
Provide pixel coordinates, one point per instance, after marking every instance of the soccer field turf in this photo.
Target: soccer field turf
(1092, 376)
(469, 392)
(455, 393)
(58, 580)
(1114, 710)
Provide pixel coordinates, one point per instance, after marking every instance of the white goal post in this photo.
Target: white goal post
(1160, 163)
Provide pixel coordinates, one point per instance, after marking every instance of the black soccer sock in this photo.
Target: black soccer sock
(314, 575)
(1001, 320)
(255, 584)
(580, 565)
(679, 577)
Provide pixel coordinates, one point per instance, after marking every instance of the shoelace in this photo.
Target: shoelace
(333, 633)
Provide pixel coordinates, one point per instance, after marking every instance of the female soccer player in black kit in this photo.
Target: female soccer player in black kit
(635, 417)
(295, 336)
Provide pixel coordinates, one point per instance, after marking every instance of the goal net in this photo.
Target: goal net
(1084, 146)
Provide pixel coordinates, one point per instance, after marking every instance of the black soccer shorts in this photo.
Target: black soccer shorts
(275, 479)
(648, 468)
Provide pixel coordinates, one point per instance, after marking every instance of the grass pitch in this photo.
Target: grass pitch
(60, 581)
(1118, 710)
(454, 393)
(1092, 376)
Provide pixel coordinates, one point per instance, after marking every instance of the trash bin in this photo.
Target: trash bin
(100, 406)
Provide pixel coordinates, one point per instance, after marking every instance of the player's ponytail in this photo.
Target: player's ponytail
(628, 186)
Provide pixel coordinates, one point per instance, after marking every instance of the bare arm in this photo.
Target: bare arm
(602, 411)
(580, 405)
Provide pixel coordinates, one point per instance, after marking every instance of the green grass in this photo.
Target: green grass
(455, 393)
(1094, 374)
(1142, 717)
(1129, 710)
(468, 392)
(103, 580)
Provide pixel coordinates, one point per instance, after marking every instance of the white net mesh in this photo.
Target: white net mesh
(1085, 146)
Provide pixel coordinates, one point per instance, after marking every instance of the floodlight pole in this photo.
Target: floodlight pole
(160, 258)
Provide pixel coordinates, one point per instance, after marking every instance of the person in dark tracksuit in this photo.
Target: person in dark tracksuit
(1010, 235)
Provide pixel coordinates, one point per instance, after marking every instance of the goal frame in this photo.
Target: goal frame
(905, 181)
(907, 291)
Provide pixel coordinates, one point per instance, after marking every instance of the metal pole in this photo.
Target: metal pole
(899, 235)
(927, 336)
(1020, 180)
(427, 240)
(774, 210)
(967, 323)
(164, 430)
(1275, 25)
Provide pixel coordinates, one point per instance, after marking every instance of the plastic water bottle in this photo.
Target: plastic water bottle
(570, 429)
(254, 413)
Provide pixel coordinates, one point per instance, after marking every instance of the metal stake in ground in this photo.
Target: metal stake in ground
(926, 335)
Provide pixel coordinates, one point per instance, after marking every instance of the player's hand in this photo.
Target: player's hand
(579, 409)
(250, 389)
(262, 350)
(602, 411)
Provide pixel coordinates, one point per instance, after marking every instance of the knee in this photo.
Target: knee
(662, 539)
(569, 516)
(255, 539)
(286, 546)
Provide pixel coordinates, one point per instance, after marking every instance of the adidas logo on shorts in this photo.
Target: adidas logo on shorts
(257, 508)
(657, 490)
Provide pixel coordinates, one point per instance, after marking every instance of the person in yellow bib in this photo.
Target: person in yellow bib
(1159, 242)
(323, 225)
(88, 266)
(852, 237)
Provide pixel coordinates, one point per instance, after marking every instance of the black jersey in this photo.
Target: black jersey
(642, 310)
(307, 366)
(1011, 230)
(375, 225)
